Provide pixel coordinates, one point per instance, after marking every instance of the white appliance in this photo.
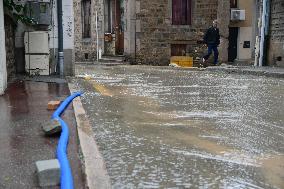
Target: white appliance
(238, 15)
(37, 52)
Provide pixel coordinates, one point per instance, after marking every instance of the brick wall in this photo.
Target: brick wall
(276, 41)
(155, 32)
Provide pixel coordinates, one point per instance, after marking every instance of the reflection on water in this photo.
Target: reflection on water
(190, 130)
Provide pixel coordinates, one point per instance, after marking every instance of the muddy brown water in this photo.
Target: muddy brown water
(160, 128)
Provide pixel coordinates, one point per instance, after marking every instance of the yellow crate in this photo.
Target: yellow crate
(183, 61)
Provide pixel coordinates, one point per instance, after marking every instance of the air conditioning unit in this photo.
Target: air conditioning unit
(238, 15)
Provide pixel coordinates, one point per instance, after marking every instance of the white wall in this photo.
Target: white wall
(53, 33)
(245, 34)
(3, 70)
(68, 24)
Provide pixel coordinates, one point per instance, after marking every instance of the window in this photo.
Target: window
(86, 18)
(42, 8)
(233, 4)
(178, 49)
(181, 12)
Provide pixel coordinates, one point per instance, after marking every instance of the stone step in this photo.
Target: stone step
(112, 63)
(240, 62)
(112, 58)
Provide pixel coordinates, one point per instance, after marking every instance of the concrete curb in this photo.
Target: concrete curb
(233, 69)
(266, 71)
(274, 72)
(249, 71)
(94, 166)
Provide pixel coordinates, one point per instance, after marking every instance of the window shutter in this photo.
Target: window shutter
(181, 12)
(176, 12)
(188, 20)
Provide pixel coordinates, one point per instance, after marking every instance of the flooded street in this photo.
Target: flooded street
(163, 128)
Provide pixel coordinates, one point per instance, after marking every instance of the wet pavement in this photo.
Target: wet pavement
(22, 141)
(277, 72)
(162, 128)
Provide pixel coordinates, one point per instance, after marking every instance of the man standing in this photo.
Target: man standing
(212, 39)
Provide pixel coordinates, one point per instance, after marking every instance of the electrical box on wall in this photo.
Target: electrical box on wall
(238, 15)
(36, 52)
(36, 42)
(41, 11)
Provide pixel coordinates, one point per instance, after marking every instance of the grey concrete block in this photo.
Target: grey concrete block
(48, 172)
(51, 128)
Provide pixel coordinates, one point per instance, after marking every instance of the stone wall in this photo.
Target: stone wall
(223, 22)
(276, 41)
(85, 49)
(151, 20)
(155, 32)
(10, 46)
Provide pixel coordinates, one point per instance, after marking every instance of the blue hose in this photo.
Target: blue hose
(66, 179)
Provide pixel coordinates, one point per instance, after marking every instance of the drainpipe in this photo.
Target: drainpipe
(60, 37)
(264, 30)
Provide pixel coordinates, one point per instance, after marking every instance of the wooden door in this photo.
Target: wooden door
(118, 28)
(233, 44)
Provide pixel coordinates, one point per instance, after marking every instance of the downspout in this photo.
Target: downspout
(60, 38)
(264, 28)
(266, 31)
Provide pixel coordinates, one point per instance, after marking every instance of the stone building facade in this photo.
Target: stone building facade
(149, 34)
(145, 32)
(158, 37)
(276, 41)
(85, 46)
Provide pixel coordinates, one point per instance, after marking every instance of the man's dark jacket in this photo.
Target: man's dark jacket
(212, 36)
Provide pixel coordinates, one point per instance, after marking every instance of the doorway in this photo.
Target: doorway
(118, 27)
(114, 27)
(233, 44)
